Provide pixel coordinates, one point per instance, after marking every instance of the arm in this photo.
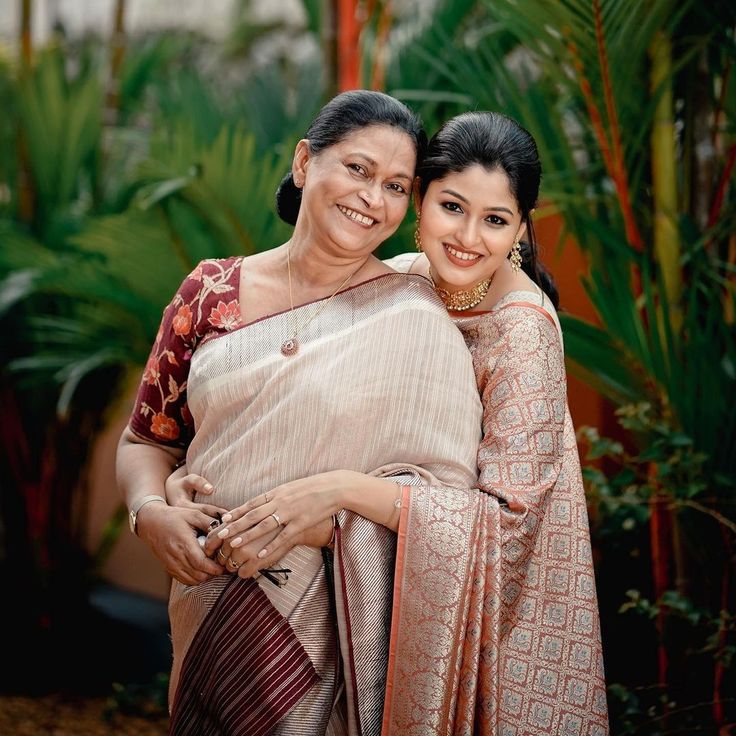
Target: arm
(170, 532)
(158, 432)
(521, 375)
(304, 508)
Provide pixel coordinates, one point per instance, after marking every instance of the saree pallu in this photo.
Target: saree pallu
(382, 383)
(495, 623)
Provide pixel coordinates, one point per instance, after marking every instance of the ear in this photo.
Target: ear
(300, 163)
(417, 197)
(520, 232)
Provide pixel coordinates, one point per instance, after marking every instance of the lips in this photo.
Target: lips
(459, 257)
(355, 216)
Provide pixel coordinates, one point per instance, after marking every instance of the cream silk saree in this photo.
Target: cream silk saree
(383, 384)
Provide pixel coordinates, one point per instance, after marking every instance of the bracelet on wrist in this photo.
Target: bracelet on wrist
(137, 506)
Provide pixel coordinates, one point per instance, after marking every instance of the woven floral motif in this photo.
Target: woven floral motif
(498, 627)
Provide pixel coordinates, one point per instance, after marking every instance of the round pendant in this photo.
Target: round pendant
(290, 347)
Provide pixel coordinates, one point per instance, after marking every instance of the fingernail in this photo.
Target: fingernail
(226, 517)
(223, 533)
(262, 554)
(208, 486)
(236, 542)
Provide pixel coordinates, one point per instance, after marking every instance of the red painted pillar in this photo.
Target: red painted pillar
(348, 45)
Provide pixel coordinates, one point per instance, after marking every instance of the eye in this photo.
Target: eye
(358, 169)
(394, 187)
(496, 220)
(452, 207)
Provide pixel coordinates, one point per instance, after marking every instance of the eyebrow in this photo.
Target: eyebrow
(367, 158)
(453, 193)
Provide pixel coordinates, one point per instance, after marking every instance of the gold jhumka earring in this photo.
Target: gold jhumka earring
(417, 238)
(515, 257)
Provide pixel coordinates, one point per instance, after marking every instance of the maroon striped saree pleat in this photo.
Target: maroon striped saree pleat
(244, 671)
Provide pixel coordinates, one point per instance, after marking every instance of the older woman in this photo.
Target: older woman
(302, 359)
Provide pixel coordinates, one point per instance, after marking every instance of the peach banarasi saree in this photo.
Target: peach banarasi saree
(495, 621)
(382, 383)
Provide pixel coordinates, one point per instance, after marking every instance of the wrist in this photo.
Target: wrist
(143, 508)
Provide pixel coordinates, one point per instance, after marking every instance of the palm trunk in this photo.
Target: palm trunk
(26, 194)
(667, 245)
(660, 538)
(719, 670)
(329, 45)
(348, 45)
(380, 56)
(117, 53)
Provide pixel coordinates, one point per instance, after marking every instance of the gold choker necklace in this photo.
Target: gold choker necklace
(459, 301)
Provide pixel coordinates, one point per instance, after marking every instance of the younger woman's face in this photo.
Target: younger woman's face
(469, 222)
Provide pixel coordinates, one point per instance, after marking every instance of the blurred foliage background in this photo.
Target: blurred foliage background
(126, 158)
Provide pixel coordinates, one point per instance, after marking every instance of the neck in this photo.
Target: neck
(321, 267)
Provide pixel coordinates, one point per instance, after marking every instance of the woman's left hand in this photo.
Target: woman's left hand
(181, 487)
(244, 559)
(293, 510)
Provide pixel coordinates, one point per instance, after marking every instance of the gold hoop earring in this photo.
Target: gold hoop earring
(515, 257)
(417, 237)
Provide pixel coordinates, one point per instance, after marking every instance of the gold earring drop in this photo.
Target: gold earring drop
(515, 257)
(417, 237)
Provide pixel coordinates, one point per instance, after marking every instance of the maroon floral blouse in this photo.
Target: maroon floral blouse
(205, 305)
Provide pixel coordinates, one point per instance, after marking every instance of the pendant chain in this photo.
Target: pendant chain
(291, 346)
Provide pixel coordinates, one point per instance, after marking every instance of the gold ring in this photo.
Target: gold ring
(221, 556)
(275, 516)
(234, 565)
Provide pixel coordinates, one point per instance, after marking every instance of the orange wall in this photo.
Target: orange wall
(568, 267)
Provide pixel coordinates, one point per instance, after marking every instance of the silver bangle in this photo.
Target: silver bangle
(137, 506)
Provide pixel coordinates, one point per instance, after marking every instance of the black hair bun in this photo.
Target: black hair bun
(288, 199)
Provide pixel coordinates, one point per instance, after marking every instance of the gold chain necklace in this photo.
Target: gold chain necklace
(291, 346)
(459, 301)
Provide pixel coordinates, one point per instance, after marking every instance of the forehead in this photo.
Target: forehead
(383, 144)
(485, 187)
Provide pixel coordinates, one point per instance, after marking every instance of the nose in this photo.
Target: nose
(467, 233)
(371, 194)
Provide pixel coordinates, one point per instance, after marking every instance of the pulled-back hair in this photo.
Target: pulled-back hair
(341, 116)
(495, 142)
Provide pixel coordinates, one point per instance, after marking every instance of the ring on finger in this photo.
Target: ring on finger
(221, 557)
(232, 564)
(276, 516)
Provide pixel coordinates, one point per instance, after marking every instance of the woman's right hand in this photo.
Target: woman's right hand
(181, 486)
(171, 532)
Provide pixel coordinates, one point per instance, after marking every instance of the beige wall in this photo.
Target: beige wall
(131, 565)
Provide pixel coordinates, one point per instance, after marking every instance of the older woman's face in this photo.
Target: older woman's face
(356, 192)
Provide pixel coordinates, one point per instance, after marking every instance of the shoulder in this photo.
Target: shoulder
(221, 270)
(516, 331)
(217, 278)
(403, 262)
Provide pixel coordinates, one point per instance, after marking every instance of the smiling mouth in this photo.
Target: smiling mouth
(461, 255)
(356, 216)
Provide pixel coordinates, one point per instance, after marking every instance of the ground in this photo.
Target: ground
(56, 715)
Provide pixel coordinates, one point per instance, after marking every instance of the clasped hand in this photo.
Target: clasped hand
(257, 534)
